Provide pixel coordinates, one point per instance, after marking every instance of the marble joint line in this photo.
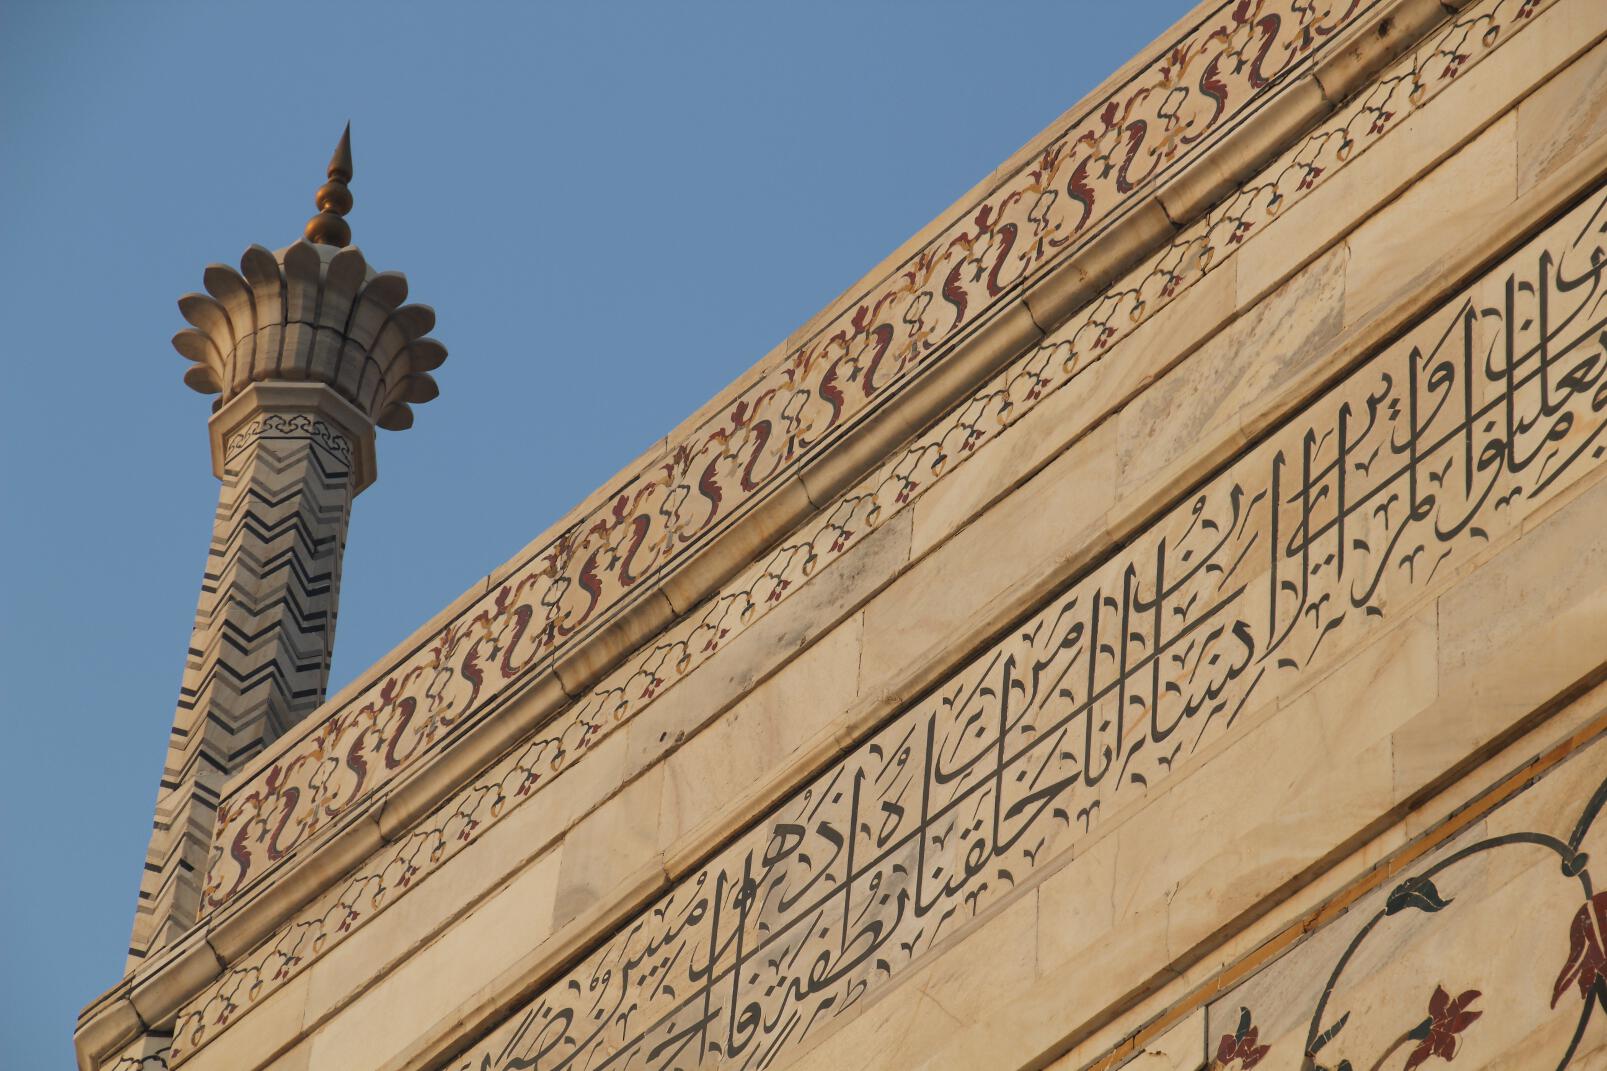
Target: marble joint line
(1214, 76)
(1091, 336)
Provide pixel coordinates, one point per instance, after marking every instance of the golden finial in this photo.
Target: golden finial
(334, 199)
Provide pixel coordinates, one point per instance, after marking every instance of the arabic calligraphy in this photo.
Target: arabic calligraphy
(1088, 338)
(1430, 453)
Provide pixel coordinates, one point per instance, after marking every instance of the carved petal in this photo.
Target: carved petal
(197, 346)
(206, 313)
(421, 388)
(426, 354)
(342, 281)
(383, 293)
(388, 288)
(397, 417)
(234, 293)
(261, 270)
(303, 267)
(202, 379)
(417, 320)
(405, 324)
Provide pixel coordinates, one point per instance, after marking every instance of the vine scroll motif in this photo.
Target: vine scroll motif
(1391, 945)
(1436, 1035)
(1213, 76)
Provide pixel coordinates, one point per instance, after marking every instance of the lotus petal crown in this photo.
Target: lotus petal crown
(312, 313)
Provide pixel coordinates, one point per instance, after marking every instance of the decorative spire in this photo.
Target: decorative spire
(334, 199)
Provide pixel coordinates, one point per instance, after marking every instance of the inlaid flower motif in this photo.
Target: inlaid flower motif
(1437, 1035)
(1587, 951)
(1238, 1051)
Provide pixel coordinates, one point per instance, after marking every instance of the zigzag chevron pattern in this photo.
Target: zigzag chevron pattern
(259, 653)
(310, 317)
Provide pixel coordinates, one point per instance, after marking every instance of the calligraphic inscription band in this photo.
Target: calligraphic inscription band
(1373, 499)
(1096, 333)
(1208, 82)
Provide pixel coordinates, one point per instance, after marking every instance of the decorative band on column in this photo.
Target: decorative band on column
(293, 426)
(295, 411)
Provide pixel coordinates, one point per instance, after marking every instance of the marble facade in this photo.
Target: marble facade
(1154, 621)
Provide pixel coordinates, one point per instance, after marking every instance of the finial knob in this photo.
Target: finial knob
(334, 198)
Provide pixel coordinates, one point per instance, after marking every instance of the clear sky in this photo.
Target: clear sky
(614, 209)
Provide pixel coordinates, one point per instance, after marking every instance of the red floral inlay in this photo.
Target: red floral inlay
(1587, 951)
(1240, 1046)
(1446, 1019)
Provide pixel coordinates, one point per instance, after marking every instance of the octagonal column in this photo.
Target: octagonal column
(310, 350)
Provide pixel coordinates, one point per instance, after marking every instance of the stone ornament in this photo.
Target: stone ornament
(1098, 176)
(308, 349)
(334, 199)
(315, 313)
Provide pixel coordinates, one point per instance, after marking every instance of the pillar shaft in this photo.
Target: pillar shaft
(310, 350)
(264, 625)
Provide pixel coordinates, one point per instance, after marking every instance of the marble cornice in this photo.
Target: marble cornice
(588, 580)
(1020, 316)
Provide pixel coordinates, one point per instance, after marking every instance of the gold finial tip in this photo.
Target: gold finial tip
(334, 199)
(340, 164)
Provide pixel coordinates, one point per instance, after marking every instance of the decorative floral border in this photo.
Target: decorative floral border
(1215, 75)
(1210, 243)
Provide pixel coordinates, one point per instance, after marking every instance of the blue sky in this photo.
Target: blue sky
(614, 209)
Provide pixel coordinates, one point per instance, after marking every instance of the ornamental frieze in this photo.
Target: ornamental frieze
(1209, 81)
(1090, 336)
